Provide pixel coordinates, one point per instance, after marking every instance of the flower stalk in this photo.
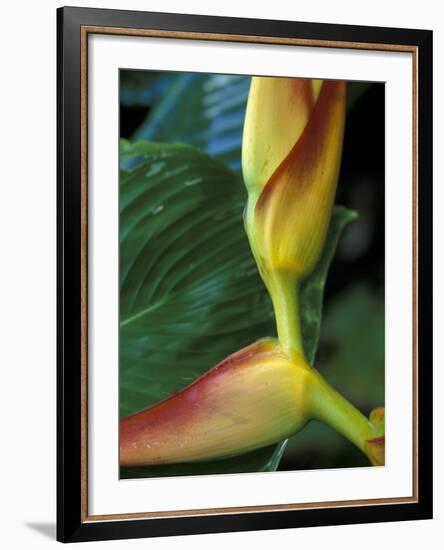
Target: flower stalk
(331, 408)
(284, 292)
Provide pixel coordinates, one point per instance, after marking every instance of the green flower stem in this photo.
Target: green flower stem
(328, 406)
(284, 292)
(325, 403)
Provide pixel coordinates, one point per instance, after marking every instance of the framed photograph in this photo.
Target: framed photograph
(244, 274)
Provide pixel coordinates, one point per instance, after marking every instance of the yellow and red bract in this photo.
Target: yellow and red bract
(291, 156)
(253, 398)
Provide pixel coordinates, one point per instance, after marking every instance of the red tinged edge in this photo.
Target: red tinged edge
(157, 426)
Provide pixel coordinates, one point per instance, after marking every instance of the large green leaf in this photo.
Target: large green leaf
(190, 293)
(189, 290)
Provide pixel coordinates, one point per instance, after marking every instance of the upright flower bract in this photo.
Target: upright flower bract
(291, 156)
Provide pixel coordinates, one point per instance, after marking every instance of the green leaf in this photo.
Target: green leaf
(354, 332)
(261, 460)
(312, 290)
(190, 293)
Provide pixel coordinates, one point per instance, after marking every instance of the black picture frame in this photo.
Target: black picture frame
(73, 523)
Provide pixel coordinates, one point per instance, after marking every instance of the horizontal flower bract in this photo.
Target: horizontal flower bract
(253, 398)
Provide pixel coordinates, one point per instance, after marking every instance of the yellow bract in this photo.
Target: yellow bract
(277, 111)
(291, 160)
(254, 398)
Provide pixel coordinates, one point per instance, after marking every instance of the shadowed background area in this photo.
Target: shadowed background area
(207, 111)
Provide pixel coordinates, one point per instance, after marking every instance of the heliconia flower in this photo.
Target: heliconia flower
(254, 398)
(291, 155)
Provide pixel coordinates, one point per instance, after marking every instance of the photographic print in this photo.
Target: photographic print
(251, 294)
(244, 274)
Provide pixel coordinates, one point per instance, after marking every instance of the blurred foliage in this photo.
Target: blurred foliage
(353, 346)
(190, 293)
